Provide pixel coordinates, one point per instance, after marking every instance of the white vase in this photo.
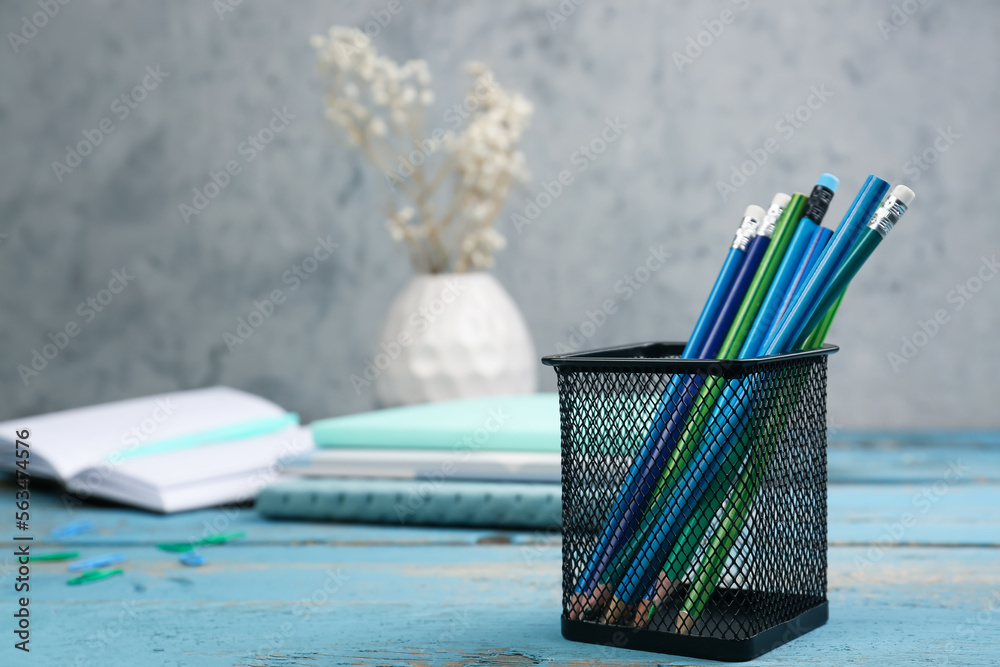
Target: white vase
(453, 335)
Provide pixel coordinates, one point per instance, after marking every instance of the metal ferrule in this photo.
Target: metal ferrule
(747, 230)
(887, 215)
(770, 221)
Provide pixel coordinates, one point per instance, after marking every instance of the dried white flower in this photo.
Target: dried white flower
(365, 90)
(395, 230)
(377, 127)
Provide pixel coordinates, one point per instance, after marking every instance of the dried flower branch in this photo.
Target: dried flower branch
(382, 107)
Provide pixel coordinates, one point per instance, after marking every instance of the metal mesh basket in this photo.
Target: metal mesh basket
(694, 499)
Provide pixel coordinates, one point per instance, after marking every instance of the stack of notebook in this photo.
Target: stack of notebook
(485, 461)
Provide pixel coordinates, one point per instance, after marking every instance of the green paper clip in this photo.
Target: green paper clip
(181, 547)
(94, 575)
(222, 538)
(62, 555)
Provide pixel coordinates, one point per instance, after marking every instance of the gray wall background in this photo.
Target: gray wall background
(657, 185)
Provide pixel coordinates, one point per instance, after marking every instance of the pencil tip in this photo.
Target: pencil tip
(684, 623)
(644, 612)
(615, 610)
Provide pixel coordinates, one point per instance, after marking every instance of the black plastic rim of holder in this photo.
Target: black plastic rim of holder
(664, 357)
(705, 648)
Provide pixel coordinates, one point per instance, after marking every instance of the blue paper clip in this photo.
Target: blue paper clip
(193, 559)
(73, 528)
(96, 562)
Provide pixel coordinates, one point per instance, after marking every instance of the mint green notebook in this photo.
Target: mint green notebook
(523, 423)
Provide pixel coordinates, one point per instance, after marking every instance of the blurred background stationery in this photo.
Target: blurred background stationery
(165, 453)
(519, 423)
(491, 461)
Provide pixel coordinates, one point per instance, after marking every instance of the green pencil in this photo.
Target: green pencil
(686, 546)
(818, 334)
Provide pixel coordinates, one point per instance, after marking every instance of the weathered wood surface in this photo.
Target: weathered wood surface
(920, 592)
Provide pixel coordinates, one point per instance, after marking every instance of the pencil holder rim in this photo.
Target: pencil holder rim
(665, 357)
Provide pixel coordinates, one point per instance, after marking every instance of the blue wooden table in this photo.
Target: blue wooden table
(914, 580)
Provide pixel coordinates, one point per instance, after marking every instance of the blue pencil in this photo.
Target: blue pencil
(671, 412)
(816, 208)
(715, 299)
(779, 287)
(755, 253)
(817, 244)
(690, 385)
(790, 328)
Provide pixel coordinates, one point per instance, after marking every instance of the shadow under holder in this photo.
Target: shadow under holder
(747, 546)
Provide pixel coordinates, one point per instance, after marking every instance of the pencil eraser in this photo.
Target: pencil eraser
(903, 194)
(780, 200)
(755, 212)
(829, 181)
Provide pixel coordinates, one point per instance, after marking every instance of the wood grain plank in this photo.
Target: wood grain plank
(914, 514)
(439, 605)
(894, 463)
(297, 593)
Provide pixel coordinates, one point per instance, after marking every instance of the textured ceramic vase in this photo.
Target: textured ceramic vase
(453, 336)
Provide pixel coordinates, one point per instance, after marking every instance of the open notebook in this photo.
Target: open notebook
(165, 453)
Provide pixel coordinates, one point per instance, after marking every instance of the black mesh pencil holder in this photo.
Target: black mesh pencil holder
(694, 499)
